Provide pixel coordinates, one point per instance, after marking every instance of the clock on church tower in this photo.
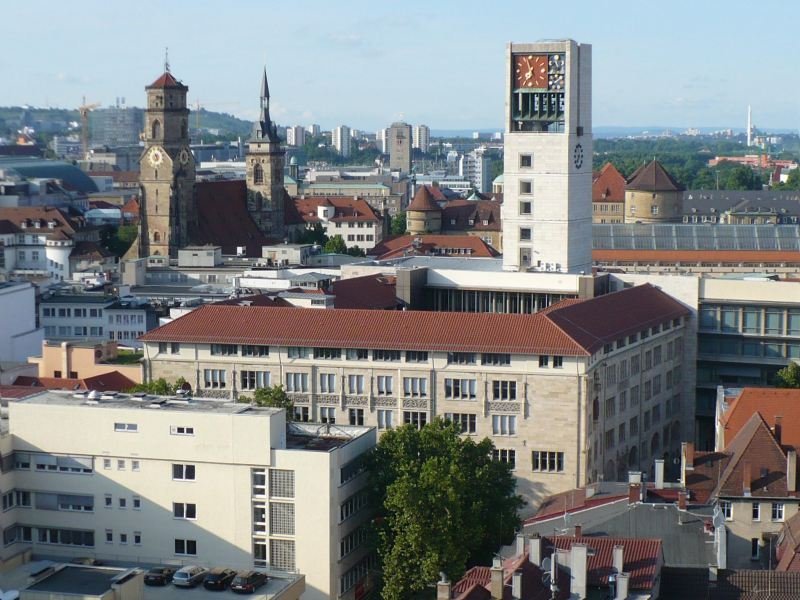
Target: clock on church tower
(166, 170)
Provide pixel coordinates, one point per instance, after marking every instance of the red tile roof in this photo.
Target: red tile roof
(423, 201)
(574, 330)
(769, 403)
(112, 381)
(167, 80)
(36, 219)
(570, 502)
(345, 209)
(432, 244)
(476, 582)
(223, 219)
(369, 291)
(697, 256)
(609, 185)
(653, 177)
(17, 391)
(788, 550)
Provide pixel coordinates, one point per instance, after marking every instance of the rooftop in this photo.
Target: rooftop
(81, 581)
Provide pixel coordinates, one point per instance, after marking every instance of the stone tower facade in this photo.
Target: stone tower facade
(265, 160)
(166, 170)
(547, 207)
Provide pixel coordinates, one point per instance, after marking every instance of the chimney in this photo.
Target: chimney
(520, 544)
(687, 459)
(617, 556)
(535, 550)
(682, 498)
(622, 586)
(577, 574)
(791, 471)
(578, 530)
(444, 589)
(747, 477)
(778, 428)
(659, 473)
(634, 493)
(496, 581)
(516, 585)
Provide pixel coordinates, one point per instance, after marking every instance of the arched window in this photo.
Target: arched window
(156, 237)
(258, 174)
(156, 133)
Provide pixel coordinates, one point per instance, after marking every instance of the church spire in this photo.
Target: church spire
(265, 128)
(264, 87)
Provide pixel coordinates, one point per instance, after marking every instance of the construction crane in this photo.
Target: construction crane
(84, 110)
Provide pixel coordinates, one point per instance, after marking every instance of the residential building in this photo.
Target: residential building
(341, 140)
(400, 140)
(476, 167)
(313, 130)
(295, 136)
(422, 138)
(20, 335)
(608, 195)
(82, 360)
(553, 388)
(187, 481)
(547, 171)
(480, 218)
(653, 196)
(352, 218)
(742, 207)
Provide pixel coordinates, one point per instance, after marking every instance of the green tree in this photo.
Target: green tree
(443, 505)
(314, 235)
(789, 376)
(335, 245)
(793, 180)
(355, 251)
(399, 225)
(274, 397)
(159, 387)
(117, 240)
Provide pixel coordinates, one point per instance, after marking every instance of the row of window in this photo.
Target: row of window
(642, 335)
(750, 319)
(122, 538)
(776, 512)
(66, 312)
(51, 331)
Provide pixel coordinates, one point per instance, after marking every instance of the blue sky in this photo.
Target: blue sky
(366, 63)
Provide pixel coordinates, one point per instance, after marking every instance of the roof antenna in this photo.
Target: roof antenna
(166, 59)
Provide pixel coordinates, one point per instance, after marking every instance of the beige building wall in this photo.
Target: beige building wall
(653, 207)
(82, 360)
(743, 529)
(608, 212)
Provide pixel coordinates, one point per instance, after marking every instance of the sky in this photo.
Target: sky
(674, 63)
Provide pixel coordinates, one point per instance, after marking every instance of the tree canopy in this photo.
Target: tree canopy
(443, 505)
(398, 225)
(335, 245)
(274, 397)
(789, 376)
(159, 387)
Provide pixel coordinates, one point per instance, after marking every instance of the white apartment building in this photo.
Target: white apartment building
(313, 130)
(547, 211)
(534, 384)
(341, 140)
(422, 137)
(20, 337)
(295, 136)
(475, 166)
(382, 140)
(205, 482)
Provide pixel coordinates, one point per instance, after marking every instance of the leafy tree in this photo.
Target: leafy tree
(335, 245)
(443, 505)
(789, 376)
(399, 225)
(314, 235)
(117, 240)
(355, 251)
(273, 397)
(793, 180)
(159, 387)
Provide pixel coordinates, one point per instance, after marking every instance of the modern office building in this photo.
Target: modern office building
(295, 136)
(400, 140)
(422, 137)
(475, 166)
(115, 126)
(547, 209)
(382, 140)
(581, 391)
(341, 140)
(185, 481)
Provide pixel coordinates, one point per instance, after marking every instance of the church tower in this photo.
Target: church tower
(166, 170)
(265, 159)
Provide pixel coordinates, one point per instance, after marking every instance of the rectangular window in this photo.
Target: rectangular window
(186, 547)
(137, 538)
(174, 348)
(215, 378)
(525, 161)
(726, 508)
(525, 234)
(281, 518)
(252, 380)
(385, 419)
(544, 360)
(356, 416)
(355, 384)
(357, 354)
(135, 464)
(504, 390)
(123, 503)
(224, 349)
(755, 549)
(496, 360)
(327, 383)
(127, 427)
(184, 510)
(505, 456)
(504, 424)
(633, 426)
(297, 352)
(416, 356)
(386, 355)
(328, 353)
(296, 382)
(415, 417)
(281, 483)
(415, 387)
(181, 430)
(302, 414)
(524, 208)
(255, 351)
(525, 187)
(137, 503)
(385, 385)
(545, 461)
(327, 414)
(465, 421)
(558, 362)
(461, 358)
(182, 472)
(777, 511)
(460, 389)
(756, 511)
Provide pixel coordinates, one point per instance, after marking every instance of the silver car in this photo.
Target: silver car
(189, 576)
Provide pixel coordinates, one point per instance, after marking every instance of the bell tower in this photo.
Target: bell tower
(265, 160)
(166, 170)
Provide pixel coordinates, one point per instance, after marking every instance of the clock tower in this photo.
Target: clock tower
(547, 206)
(265, 160)
(166, 170)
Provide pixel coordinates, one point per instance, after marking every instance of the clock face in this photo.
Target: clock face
(156, 157)
(184, 156)
(577, 156)
(530, 71)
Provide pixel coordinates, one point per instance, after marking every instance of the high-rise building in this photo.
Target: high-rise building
(295, 136)
(422, 137)
(264, 176)
(166, 170)
(115, 126)
(547, 210)
(341, 140)
(313, 130)
(400, 147)
(382, 140)
(477, 168)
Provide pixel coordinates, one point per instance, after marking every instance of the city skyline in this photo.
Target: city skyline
(362, 65)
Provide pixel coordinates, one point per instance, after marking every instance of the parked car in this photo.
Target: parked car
(218, 579)
(247, 582)
(159, 575)
(189, 576)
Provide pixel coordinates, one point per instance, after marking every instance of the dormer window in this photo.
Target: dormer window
(485, 222)
(51, 224)
(23, 224)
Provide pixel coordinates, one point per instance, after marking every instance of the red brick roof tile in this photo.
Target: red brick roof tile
(423, 201)
(653, 177)
(432, 244)
(112, 381)
(345, 209)
(369, 291)
(609, 185)
(769, 403)
(167, 80)
(484, 214)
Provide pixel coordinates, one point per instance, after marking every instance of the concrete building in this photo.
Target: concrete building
(382, 140)
(341, 140)
(352, 218)
(422, 138)
(185, 481)
(400, 140)
(476, 167)
(115, 126)
(295, 136)
(587, 390)
(20, 336)
(547, 158)
(313, 130)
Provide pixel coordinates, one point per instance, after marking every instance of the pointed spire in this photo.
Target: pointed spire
(166, 59)
(265, 129)
(264, 86)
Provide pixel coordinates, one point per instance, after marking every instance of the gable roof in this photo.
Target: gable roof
(769, 403)
(788, 549)
(36, 219)
(167, 80)
(346, 209)
(432, 244)
(423, 201)
(538, 333)
(608, 185)
(457, 214)
(653, 177)
(476, 582)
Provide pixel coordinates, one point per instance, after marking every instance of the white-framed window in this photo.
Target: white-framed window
(504, 424)
(385, 419)
(504, 390)
(506, 456)
(756, 511)
(356, 416)
(466, 421)
(547, 461)
(252, 380)
(415, 386)
(215, 378)
(106, 463)
(296, 382)
(385, 384)
(181, 430)
(460, 389)
(185, 547)
(416, 418)
(355, 384)
(184, 510)
(126, 427)
(327, 414)
(777, 511)
(726, 508)
(297, 352)
(386, 355)
(183, 472)
(137, 538)
(135, 465)
(327, 383)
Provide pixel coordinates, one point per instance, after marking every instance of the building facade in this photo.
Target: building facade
(422, 138)
(20, 335)
(400, 140)
(295, 136)
(653, 196)
(548, 157)
(341, 139)
(532, 383)
(476, 167)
